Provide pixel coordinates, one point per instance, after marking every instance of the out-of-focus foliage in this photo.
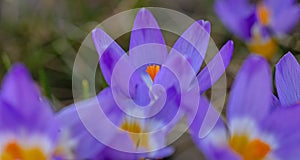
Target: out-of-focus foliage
(45, 35)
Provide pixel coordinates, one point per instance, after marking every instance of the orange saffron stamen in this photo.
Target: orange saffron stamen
(263, 14)
(152, 70)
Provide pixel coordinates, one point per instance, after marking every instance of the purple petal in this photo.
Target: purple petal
(287, 78)
(176, 76)
(283, 22)
(138, 89)
(128, 86)
(206, 119)
(22, 106)
(10, 118)
(165, 152)
(216, 67)
(113, 59)
(147, 46)
(171, 107)
(80, 121)
(176, 68)
(279, 5)
(20, 91)
(146, 31)
(220, 153)
(251, 94)
(71, 123)
(215, 144)
(193, 43)
(109, 52)
(283, 125)
(112, 154)
(237, 15)
(275, 102)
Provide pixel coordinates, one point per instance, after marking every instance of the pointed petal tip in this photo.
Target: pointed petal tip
(97, 32)
(101, 40)
(144, 13)
(18, 66)
(205, 24)
(143, 10)
(287, 76)
(216, 67)
(228, 47)
(287, 57)
(231, 42)
(289, 53)
(145, 19)
(255, 63)
(18, 69)
(100, 34)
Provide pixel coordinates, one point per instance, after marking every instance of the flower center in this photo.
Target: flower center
(132, 127)
(254, 149)
(263, 14)
(13, 151)
(265, 47)
(137, 135)
(152, 70)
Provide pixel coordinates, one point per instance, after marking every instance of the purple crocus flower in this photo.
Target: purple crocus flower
(287, 78)
(255, 129)
(148, 83)
(258, 24)
(28, 129)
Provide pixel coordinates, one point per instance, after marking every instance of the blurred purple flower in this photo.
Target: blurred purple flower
(287, 78)
(28, 129)
(255, 129)
(146, 44)
(258, 24)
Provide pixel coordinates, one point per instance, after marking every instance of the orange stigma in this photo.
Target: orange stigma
(152, 70)
(263, 14)
(254, 149)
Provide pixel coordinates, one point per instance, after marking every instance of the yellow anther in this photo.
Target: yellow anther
(137, 135)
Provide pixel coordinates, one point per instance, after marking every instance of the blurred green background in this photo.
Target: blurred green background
(46, 35)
